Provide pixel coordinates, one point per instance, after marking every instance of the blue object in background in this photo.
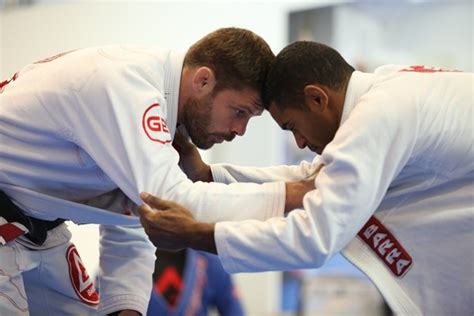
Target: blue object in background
(206, 285)
(293, 281)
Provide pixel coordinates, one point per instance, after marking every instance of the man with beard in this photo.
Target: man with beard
(84, 132)
(394, 194)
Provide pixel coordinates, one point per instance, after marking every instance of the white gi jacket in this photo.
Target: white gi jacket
(404, 154)
(89, 130)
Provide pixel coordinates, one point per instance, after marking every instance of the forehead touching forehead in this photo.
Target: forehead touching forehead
(287, 116)
(277, 113)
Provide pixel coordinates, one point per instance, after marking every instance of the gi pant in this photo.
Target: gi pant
(45, 280)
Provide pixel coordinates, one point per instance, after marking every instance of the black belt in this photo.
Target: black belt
(37, 228)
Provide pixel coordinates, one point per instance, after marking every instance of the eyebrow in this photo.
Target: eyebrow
(258, 112)
(251, 108)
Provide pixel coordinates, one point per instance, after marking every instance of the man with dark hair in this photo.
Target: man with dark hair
(394, 192)
(315, 63)
(84, 132)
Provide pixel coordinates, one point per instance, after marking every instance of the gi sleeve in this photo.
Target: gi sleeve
(120, 121)
(368, 151)
(118, 118)
(227, 173)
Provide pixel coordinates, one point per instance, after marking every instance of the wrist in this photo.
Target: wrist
(295, 192)
(203, 237)
(208, 174)
(289, 204)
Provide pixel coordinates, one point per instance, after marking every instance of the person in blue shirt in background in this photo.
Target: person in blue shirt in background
(190, 282)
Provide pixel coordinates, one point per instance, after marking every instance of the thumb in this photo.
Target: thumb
(155, 202)
(144, 211)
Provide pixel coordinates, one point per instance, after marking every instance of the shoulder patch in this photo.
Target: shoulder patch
(155, 127)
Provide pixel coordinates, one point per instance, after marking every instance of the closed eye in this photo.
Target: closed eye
(239, 113)
(286, 127)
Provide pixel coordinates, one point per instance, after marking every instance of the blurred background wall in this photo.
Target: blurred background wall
(367, 33)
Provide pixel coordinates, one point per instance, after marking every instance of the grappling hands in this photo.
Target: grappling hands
(170, 226)
(190, 160)
(295, 192)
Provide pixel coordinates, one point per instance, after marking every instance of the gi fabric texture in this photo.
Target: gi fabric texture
(395, 194)
(84, 132)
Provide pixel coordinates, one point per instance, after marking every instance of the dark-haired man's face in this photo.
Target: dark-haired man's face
(216, 118)
(311, 129)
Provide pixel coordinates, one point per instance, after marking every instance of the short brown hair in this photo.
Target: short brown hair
(239, 58)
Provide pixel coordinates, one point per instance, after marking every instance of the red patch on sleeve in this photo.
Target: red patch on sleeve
(155, 126)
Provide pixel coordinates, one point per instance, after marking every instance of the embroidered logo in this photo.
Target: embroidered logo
(4, 83)
(155, 126)
(80, 279)
(386, 246)
(426, 69)
(48, 59)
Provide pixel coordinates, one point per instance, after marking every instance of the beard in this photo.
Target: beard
(198, 121)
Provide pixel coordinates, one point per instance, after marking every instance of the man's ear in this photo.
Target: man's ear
(204, 80)
(316, 99)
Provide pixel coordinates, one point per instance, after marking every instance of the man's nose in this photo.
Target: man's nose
(239, 128)
(300, 141)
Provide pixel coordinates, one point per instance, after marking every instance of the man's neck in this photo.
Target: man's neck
(184, 88)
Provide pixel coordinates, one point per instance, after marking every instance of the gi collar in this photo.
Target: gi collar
(359, 84)
(173, 67)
